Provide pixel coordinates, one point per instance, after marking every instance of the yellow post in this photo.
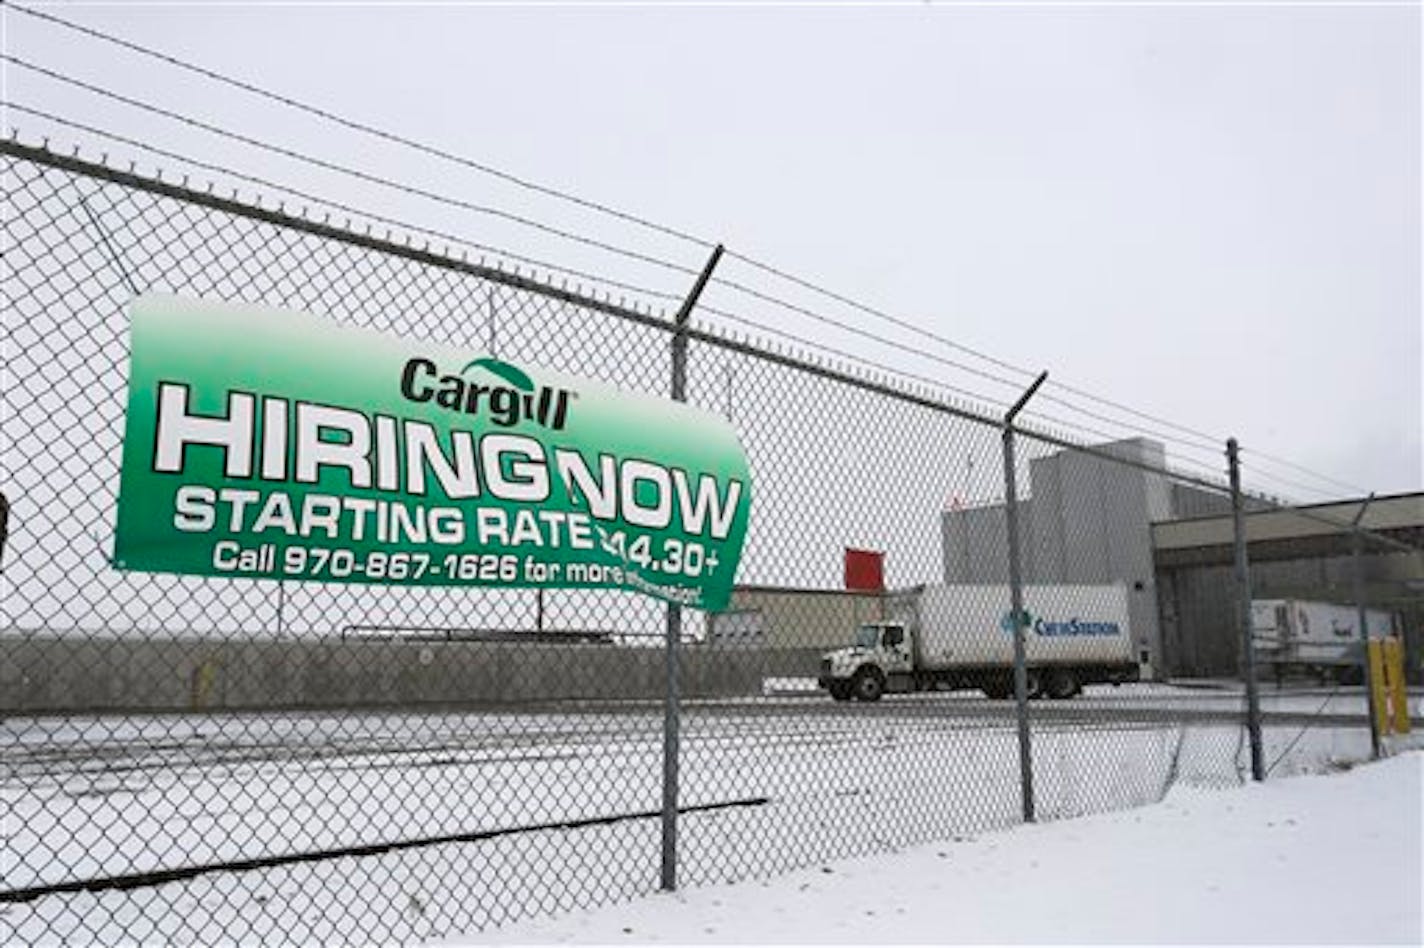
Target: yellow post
(1398, 695)
(1378, 688)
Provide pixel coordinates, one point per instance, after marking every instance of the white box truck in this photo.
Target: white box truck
(1313, 638)
(946, 637)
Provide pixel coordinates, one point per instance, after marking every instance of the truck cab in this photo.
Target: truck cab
(882, 652)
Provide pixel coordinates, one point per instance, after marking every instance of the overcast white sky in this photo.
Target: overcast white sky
(1210, 213)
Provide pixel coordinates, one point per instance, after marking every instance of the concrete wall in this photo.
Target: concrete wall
(55, 674)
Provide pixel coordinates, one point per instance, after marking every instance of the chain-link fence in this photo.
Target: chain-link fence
(193, 759)
(1327, 584)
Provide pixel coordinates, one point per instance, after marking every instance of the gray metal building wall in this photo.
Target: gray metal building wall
(975, 545)
(1088, 520)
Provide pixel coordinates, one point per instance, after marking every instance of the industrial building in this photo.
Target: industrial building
(1294, 554)
(1084, 519)
(789, 618)
(1088, 519)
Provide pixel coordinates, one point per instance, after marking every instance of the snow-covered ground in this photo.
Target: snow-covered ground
(793, 783)
(1335, 859)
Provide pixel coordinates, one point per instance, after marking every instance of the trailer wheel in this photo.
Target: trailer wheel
(1061, 684)
(868, 685)
(1002, 686)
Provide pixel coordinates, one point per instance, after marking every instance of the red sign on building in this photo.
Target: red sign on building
(865, 570)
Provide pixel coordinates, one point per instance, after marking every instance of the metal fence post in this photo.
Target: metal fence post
(1243, 591)
(491, 322)
(281, 607)
(668, 874)
(1016, 606)
(4, 524)
(1357, 568)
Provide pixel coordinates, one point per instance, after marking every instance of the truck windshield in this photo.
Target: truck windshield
(868, 636)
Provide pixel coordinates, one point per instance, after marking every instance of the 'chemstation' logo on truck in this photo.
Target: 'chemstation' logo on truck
(519, 399)
(1071, 627)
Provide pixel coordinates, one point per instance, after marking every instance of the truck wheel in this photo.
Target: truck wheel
(868, 685)
(1061, 684)
(840, 691)
(997, 689)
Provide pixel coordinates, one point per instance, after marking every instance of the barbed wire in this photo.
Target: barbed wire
(1066, 433)
(1212, 481)
(366, 128)
(332, 166)
(334, 204)
(600, 207)
(485, 168)
(214, 168)
(973, 396)
(469, 206)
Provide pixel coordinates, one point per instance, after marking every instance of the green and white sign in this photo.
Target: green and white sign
(269, 444)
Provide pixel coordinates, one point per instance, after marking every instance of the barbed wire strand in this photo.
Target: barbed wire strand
(332, 166)
(1306, 512)
(607, 209)
(364, 128)
(979, 398)
(600, 207)
(470, 206)
(338, 205)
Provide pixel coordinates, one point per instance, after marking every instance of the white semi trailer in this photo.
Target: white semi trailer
(1314, 638)
(946, 637)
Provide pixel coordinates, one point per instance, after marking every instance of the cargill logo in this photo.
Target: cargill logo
(487, 387)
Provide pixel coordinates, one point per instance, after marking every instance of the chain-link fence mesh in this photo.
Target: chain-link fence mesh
(195, 759)
(1316, 583)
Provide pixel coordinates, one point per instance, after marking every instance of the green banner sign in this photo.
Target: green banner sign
(268, 444)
